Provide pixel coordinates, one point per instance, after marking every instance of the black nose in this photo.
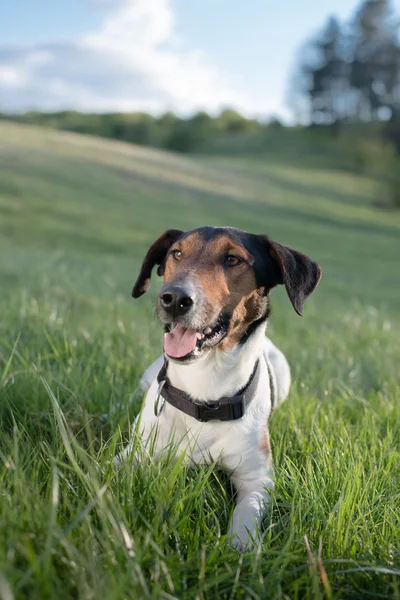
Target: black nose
(176, 300)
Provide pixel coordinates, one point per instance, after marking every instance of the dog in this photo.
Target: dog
(213, 390)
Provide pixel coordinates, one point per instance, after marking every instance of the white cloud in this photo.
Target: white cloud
(12, 77)
(134, 61)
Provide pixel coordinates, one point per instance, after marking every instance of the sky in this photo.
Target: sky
(156, 55)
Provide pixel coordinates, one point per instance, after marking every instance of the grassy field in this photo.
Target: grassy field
(76, 215)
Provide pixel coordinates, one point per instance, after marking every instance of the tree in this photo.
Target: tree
(375, 62)
(351, 72)
(230, 121)
(322, 77)
(329, 82)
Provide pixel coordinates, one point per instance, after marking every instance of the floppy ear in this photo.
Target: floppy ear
(155, 256)
(299, 273)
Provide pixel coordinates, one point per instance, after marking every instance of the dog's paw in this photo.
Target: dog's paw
(241, 539)
(237, 544)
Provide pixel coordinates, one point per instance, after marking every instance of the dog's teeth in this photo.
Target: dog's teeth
(208, 330)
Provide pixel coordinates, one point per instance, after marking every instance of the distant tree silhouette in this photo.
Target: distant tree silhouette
(351, 72)
(329, 76)
(375, 64)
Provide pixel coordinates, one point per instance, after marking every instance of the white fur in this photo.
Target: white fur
(237, 446)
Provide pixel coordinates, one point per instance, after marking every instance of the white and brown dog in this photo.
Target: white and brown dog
(213, 390)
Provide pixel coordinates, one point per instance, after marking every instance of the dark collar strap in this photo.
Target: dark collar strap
(228, 408)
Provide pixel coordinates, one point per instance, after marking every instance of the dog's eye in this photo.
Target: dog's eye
(232, 260)
(177, 254)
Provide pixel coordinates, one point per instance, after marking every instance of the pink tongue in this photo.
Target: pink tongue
(180, 341)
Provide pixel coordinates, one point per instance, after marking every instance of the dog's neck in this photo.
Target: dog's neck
(219, 373)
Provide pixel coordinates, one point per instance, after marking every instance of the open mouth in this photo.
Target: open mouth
(182, 343)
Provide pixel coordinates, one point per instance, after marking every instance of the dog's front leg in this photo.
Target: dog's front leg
(150, 434)
(143, 439)
(251, 502)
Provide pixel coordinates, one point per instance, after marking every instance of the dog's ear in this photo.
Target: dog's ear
(296, 271)
(155, 256)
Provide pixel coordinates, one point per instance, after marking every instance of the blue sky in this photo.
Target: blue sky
(155, 55)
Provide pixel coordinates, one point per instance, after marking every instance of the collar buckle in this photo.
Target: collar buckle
(231, 411)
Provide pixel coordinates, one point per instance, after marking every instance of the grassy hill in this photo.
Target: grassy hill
(76, 216)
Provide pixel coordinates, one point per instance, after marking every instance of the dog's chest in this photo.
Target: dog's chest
(229, 441)
(205, 442)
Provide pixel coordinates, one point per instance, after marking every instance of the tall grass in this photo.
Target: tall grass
(76, 218)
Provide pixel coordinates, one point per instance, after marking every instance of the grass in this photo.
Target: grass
(76, 215)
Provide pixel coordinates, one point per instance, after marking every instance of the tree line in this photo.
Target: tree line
(166, 131)
(350, 72)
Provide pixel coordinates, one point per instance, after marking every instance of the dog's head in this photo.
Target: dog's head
(216, 286)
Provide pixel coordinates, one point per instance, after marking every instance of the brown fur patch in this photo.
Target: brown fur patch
(265, 445)
(249, 309)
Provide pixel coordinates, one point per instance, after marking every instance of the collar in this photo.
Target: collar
(227, 408)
